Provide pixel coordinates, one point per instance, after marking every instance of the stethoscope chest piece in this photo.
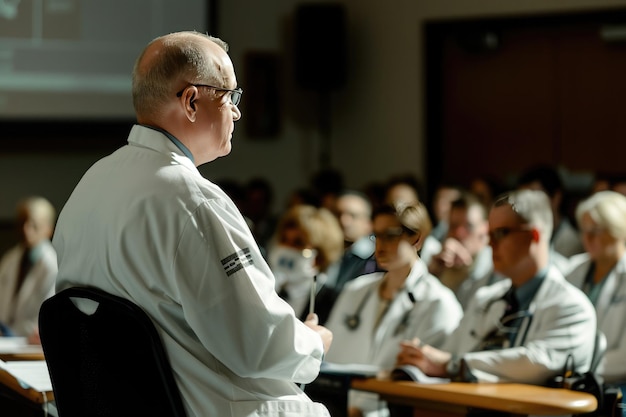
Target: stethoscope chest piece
(353, 321)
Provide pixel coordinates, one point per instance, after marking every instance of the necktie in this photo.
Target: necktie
(510, 320)
(504, 334)
(512, 305)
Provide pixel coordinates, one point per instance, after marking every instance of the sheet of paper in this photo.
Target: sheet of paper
(413, 373)
(356, 369)
(33, 374)
(13, 345)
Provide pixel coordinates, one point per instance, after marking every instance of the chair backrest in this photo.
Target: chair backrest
(107, 361)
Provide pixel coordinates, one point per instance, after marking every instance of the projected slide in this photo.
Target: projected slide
(74, 58)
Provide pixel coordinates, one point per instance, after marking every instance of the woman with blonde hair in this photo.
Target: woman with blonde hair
(374, 313)
(601, 273)
(307, 240)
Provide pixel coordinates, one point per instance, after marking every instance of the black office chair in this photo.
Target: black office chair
(107, 362)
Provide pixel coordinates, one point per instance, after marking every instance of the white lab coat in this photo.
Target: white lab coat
(145, 225)
(563, 321)
(435, 314)
(611, 311)
(21, 312)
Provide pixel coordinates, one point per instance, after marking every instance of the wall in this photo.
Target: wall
(377, 119)
(377, 122)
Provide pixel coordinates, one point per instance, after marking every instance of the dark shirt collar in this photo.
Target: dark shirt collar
(526, 292)
(175, 141)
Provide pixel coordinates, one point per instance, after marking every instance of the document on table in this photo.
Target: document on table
(14, 345)
(29, 374)
(413, 373)
(353, 369)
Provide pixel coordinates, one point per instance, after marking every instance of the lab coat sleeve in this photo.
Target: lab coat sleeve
(228, 297)
(566, 324)
(613, 366)
(434, 324)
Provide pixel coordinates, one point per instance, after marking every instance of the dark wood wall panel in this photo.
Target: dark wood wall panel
(506, 94)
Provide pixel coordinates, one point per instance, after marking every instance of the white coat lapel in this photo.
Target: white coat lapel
(398, 308)
(610, 289)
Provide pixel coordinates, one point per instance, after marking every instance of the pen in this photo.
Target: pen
(312, 298)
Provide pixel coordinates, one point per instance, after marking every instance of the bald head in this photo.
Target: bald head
(171, 62)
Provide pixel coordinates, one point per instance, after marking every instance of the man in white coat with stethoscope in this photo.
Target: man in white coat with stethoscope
(548, 318)
(145, 225)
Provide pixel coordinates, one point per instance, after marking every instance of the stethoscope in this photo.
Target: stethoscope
(501, 324)
(353, 321)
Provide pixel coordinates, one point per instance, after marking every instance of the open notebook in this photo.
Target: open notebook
(28, 378)
(413, 373)
(401, 373)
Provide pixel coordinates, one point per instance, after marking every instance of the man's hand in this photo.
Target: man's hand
(453, 255)
(430, 360)
(327, 336)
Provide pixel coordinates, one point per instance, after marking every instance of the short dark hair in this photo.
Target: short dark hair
(546, 175)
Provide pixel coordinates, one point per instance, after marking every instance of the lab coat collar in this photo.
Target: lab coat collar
(174, 140)
(612, 283)
(525, 293)
(148, 137)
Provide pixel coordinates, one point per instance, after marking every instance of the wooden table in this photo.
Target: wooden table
(455, 398)
(18, 349)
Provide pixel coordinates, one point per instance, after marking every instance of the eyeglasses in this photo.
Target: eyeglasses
(235, 95)
(389, 235)
(496, 235)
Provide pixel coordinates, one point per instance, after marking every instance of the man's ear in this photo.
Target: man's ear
(189, 98)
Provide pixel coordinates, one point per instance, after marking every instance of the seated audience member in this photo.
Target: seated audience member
(375, 192)
(618, 184)
(236, 192)
(307, 241)
(601, 273)
(443, 198)
(565, 238)
(375, 312)
(486, 188)
(464, 262)
(326, 184)
(354, 211)
(520, 329)
(28, 270)
(405, 190)
(300, 196)
(257, 206)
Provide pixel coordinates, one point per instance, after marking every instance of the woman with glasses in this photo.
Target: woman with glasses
(601, 273)
(374, 313)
